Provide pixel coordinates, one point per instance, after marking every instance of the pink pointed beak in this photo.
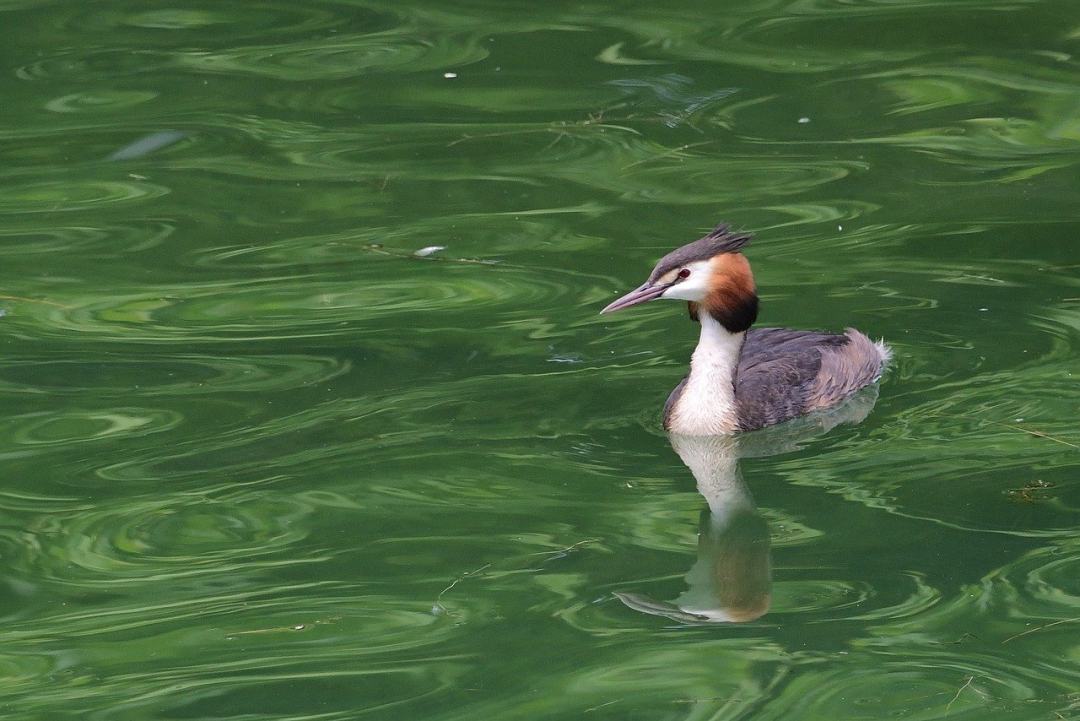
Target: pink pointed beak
(643, 294)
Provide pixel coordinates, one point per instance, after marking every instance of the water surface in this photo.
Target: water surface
(260, 460)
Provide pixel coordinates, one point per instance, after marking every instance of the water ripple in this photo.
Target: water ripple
(19, 241)
(289, 307)
(859, 685)
(75, 195)
(48, 428)
(168, 375)
(341, 56)
(91, 101)
(272, 17)
(172, 537)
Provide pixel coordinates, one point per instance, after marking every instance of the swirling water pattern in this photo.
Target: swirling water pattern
(261, 460)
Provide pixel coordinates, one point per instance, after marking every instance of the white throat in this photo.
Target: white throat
(707, 404)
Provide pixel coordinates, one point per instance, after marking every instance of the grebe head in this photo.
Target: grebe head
(711, 274)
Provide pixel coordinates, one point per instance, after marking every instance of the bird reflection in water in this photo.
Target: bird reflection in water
(731, 581)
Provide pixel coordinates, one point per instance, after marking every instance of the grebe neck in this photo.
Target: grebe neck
(706, 405)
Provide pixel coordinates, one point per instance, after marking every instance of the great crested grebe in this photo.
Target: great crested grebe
(742, 379)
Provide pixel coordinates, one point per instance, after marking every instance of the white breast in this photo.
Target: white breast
(707, 404)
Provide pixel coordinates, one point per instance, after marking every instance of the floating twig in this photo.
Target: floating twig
(1038, 434)
(672, 151)
(958, 692)
(1040, 628)
(606, 703)
(564, 551)
(437, 608)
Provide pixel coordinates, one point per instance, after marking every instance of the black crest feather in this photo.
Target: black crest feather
(720, 239)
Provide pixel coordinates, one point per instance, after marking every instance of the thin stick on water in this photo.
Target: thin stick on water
(958, 692)
(1037, 434)
(672, 151)
(564, 551)
(1029, 431)
(437, 608)
(1040, 628)
(606, 703)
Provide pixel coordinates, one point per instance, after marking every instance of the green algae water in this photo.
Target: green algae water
(262, 459)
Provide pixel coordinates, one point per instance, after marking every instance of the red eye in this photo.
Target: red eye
(684, 273)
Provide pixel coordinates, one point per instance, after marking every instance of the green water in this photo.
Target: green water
(261, 462)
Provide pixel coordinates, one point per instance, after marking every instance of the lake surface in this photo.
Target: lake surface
(262, 461)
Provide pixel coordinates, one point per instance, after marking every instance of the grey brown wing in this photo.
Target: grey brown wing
(766, 344)
(777, 373)
(847, 368)
(775, 390)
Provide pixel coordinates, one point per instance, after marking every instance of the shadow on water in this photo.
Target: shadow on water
(731, 581)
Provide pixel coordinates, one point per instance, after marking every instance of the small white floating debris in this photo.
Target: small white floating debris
(567, 358)
(449, 76)
(983, 310)
(804, 120)
(148, 144)
(429, 250)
